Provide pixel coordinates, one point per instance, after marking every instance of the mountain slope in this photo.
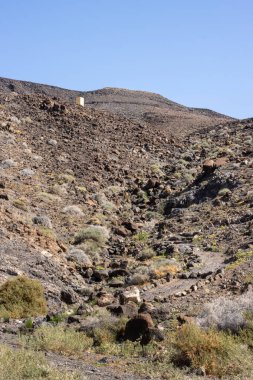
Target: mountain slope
(140, 106)
(114, 218)
(115, 173)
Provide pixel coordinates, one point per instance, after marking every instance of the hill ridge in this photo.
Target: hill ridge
(140, 106)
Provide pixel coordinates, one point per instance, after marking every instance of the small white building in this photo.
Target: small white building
(80, 101)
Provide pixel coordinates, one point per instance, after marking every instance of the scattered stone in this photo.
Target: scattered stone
(68, 296)
(129, 310)
(130, 295)
(42, 220)
(6, 164)
(52, 142)
(27, 172)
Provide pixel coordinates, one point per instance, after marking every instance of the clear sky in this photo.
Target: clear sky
(196, 52)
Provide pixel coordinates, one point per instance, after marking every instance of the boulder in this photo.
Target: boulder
(137, 326)
(128, 310)
(105, 300)
(130, 295)
(42, 220)
(100, 275)
(68, 296)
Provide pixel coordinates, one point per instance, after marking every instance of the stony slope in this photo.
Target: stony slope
(93, 204)
(56, 155)
(140, 106)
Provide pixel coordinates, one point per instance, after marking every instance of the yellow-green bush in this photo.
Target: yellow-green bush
(141, 236)
(23, 364)
(58, 339)
(246, 333)
(219, 353)
(22, 297)
(97, 234)
(110, 332)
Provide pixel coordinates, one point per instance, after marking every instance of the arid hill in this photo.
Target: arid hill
(140, 106)
(115, 219)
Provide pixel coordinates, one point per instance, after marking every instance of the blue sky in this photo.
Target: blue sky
(195, 52)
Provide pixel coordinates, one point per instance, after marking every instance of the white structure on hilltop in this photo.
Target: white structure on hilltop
(80, 101)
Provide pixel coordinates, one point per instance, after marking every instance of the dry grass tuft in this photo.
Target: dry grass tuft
(58, 339)
(20, 365)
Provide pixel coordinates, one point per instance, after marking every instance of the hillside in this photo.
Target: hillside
(112, 217)
(139, 106)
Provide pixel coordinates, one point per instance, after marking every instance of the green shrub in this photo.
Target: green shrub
(246, 333)
(141, 236)
(58, 339)
(47, 232)
(21, 204)
(110, 332)
(29, 323)
(20, 365)
(58, 318)
(146, 253)
(97, 234)
(22, 297)
(217, 352)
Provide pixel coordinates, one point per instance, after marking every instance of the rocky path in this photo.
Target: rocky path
(209, 264)
(95, 367)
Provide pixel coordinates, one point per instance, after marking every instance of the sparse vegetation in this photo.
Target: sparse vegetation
(96, 233)
(73, 210)
(109, 333)
(66, 178)
(21, 204)
(47, 197)
(240, 258)
(48, 232)
(59, 340)
(29, 365)
(156, 169)
(141, 236)
(162, 270)
(246, 333)
(22, 297)
(136, 217)
(217, 352)
(225, 314)
(224, 191)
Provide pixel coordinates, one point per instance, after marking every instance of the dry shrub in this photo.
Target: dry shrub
(225, 314)
(217, 352)
(22, 297)
(97, 234)
(163, 270)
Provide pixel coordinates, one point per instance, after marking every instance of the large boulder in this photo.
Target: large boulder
(130, 295)
(128, 310)
(137, 326)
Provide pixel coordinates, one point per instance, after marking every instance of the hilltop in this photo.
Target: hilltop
(139, 106)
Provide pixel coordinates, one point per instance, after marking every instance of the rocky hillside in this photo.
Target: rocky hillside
(106, 213)
(139, 106)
